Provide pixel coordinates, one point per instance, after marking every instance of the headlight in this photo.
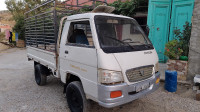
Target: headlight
(156, 67)
(109, 77)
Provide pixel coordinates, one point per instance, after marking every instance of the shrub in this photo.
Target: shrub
(129, 7)
(19, 27)
(184, 38)
(126, 8)
(172, 49)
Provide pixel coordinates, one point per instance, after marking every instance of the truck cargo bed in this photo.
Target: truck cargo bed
(45, 58)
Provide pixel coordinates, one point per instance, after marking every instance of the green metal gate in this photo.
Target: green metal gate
(164, 16)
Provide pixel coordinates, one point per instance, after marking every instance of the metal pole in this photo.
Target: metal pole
(55, 24)
(36, 30)
(44, 32)
(93, 4)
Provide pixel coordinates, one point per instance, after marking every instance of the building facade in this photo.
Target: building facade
(194, 52)
(3, 28)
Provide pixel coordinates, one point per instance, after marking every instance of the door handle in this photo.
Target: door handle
(66, 52)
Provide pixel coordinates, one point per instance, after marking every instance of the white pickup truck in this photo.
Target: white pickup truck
(103, 57)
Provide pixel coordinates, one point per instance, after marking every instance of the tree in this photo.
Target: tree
(129, 7)
(184, 37)
(17, 9)
(19, 27)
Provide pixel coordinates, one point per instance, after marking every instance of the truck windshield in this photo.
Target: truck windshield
(120, 35)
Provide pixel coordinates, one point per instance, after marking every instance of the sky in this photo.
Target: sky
(2, 5)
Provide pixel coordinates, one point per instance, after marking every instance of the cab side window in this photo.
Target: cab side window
(80, 34)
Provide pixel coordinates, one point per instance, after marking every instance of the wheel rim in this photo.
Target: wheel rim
(37, 76)
(74, 100)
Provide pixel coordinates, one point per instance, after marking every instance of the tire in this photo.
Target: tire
(40, 77)
(76, 99)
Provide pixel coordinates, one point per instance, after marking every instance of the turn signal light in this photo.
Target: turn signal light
(157, 80)
(115, 94)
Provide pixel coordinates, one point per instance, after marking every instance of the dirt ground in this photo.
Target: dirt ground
(19, 92)
(3, 47)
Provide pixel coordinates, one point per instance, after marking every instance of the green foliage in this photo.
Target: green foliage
(17, 9)
(184, 38)
(19, 27)
(127, 8)
(85, 9)
(172, 49)
(180, 46)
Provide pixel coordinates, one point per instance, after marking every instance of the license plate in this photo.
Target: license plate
(142, 87)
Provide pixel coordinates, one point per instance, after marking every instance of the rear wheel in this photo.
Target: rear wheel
(40, 77)
(76, 99)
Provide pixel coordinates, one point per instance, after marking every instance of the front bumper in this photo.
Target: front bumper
(128, 92)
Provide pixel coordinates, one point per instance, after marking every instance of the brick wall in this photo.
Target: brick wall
(194, 53)
(180, 66)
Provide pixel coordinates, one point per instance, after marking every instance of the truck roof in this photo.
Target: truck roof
(91, 16)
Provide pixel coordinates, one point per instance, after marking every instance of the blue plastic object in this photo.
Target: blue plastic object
(171, 81)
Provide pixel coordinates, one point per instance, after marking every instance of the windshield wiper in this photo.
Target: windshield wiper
(110, 37)
(148, 45)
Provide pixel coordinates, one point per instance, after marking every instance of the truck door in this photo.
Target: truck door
(78, 55)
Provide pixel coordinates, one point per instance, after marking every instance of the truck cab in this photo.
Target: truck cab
(111, 55)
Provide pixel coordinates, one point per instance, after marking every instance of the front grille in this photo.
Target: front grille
(138, 74)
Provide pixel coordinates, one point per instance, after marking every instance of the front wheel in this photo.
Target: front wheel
(76, 99)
